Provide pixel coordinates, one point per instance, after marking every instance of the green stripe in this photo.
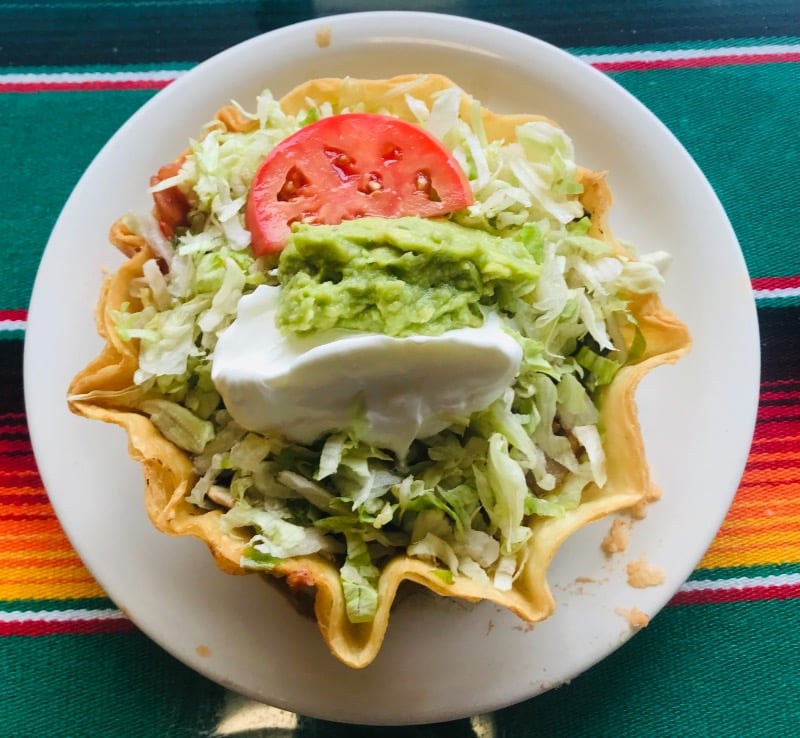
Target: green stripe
(735, 572)
(706, 670)
(60, 132)
(95, 68)
(72, 5)
(737, 122)
(718, 670)
(740, 125)
(101, 685)
(88, 603)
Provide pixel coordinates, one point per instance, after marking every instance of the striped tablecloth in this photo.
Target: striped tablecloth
(722, 659)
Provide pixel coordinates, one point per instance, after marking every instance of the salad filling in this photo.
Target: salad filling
(461, 498)
(376, 333)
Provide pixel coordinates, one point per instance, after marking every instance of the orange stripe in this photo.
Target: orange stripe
(19, 489)
(763, 457)
(33, 529)
(48, 526)
(721, 559)
(21, 562)
(8, 558)
(747, 552)
(725, 559)
(34, 545)
(765, 517)
(785, 495)
(39, 509)
(68, 572)
(763, 492)
(762, 537)
(768, 476)
(22, 473)
(764, 526)
(50, 591)
(761, 527)
(765, 505)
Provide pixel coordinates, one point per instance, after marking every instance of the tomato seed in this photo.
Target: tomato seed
(293, 184)
(423, 181)
(343, 164)
(392, 153)
(372, 183)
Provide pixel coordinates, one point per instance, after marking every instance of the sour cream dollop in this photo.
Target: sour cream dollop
(405, 388)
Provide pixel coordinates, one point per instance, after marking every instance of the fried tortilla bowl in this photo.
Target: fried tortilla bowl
(105, 390)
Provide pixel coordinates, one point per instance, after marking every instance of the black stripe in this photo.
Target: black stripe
(780, 343)
(780, 356)
(63, 35)
(11, 397)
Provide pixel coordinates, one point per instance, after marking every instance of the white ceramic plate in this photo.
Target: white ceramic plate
(441, 659)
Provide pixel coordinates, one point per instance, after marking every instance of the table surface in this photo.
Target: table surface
(720, 659)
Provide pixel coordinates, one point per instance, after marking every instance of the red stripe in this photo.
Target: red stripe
(12, 485)
(771, 424)
(776, 446)
(13, 314)
(742, 594)
(791, 461)
(780, 395)
(19, 429)
(85, 85)
(62, 627)
(641, 65)
(776, 283)
(775, 413)
(11, 446)
(36, 497)
(24, 463)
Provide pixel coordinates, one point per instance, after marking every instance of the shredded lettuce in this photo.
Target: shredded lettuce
(462, 499)
(179, 424)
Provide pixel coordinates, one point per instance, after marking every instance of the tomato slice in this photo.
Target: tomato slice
(347, 166)
(171, 205)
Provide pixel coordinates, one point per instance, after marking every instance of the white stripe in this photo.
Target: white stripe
(33, 78)
(697, 585)
(56, 616)
(772, 580)
(13, 325)
(779, 292)
(644, 55)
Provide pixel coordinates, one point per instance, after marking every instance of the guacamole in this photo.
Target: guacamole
(398, 276)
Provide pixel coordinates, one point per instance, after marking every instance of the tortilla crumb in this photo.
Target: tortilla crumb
(636, 618)
(323, 37)
(641, 574)
(639, 510)
(616, 540)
